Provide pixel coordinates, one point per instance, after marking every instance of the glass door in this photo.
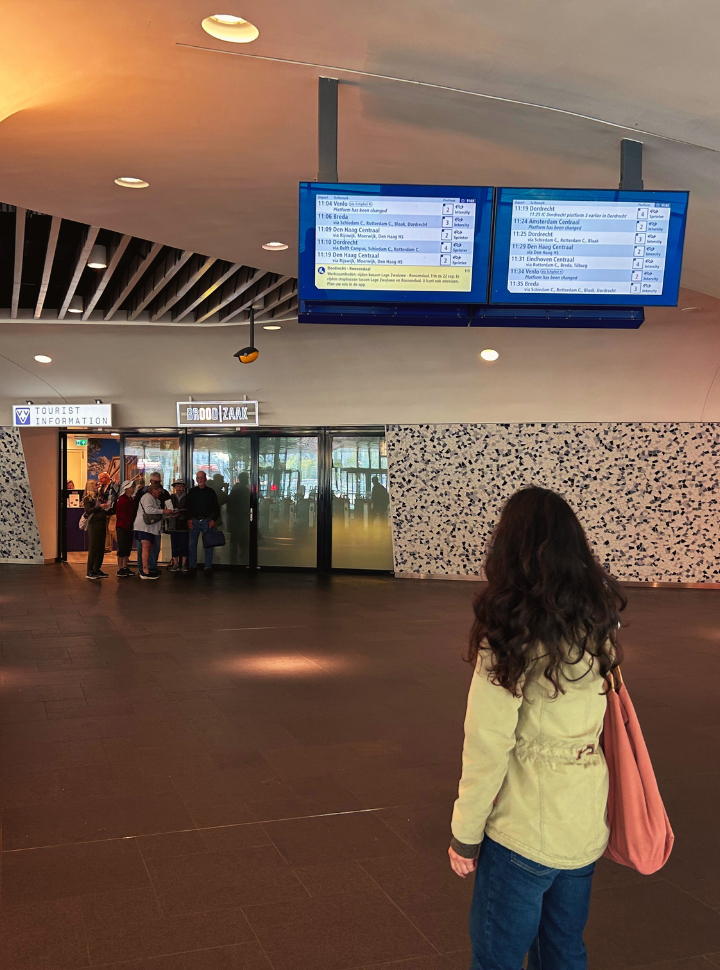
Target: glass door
(227, 462)
(142, 457)
(361, 532)
(287, 501)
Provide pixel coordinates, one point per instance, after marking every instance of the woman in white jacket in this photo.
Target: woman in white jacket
(148, 525)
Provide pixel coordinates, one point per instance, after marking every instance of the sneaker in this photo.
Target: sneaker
(208, 570)
(101, 575)
(155, 574)
(92, 576)
(149, 575)
(174, 568)
(184, 569)
(122, 573)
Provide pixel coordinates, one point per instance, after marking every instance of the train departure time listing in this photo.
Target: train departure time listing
(394, 243)
(588, 248)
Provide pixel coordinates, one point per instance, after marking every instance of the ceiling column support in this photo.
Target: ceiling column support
(327, 129)
(631, 160)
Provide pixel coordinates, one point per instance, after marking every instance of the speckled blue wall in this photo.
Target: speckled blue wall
(19, 536)
(647, 494)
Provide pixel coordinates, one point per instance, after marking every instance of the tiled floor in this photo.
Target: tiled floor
(226, 774)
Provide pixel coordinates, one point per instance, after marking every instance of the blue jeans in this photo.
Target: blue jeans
(198, 526)
(520, 907)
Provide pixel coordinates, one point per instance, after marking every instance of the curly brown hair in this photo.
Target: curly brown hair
(545, 590)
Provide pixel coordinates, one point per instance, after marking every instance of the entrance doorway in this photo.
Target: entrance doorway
(310, 498)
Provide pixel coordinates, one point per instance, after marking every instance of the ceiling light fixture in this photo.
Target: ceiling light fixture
(689, 309)
(126, 182)
(30, 402)
(489, 355)
(227, 26)
(114, 434)
(98, 401)
(272, 327)
(77, 304)
(274, 246)
(98, 257)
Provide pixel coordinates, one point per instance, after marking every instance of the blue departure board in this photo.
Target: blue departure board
(588, 246)
(394, 243)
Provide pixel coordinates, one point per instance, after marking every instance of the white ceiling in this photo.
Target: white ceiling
(89, 92)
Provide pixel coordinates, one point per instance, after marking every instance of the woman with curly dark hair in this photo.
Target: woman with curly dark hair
(530, 818)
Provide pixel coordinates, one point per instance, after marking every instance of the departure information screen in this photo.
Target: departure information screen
(582, 246)
(407, 243)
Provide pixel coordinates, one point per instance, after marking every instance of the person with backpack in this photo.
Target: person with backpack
(530, 820)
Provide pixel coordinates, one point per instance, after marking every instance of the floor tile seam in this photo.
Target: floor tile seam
(397, 907)
(197, 828)
(174, 953)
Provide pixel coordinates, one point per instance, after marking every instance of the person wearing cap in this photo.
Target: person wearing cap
(125, 518)
(178, 528)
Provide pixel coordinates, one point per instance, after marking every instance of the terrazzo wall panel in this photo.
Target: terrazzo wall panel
(647, 494)
(19, 536)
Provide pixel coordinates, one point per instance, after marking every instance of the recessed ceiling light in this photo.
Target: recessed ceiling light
(76, 304)
(114, 434)
(131, 183)
(98, 257)
(689, 309)
(227, 26)
(275, 327)
(43, 359)
(275, 245)
(489, 355)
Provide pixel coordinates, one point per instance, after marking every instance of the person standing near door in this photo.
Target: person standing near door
(379, 499)
(125, 512)
(96, 514)
(203, 511)
(178, 528)
(108, 496)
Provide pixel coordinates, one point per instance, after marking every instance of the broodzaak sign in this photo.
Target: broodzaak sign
(218, 414)
(62, 415)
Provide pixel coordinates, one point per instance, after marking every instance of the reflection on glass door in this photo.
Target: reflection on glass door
(227, 462)
(361, 534)
(287, 501)
(142, 457)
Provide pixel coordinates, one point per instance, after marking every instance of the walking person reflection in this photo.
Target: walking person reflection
(238, 518)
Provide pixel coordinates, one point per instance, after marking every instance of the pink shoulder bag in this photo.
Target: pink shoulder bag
(640, 833)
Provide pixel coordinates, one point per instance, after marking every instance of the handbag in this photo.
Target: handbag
(150, 517)
(83, 522)
(213, 538)
(640, 833)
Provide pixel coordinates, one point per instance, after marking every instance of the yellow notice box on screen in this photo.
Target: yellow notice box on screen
(329, 276)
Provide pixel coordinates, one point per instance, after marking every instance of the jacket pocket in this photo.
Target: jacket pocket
(536, 868)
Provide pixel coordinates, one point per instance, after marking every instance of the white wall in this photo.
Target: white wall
(40, 446)
(316, 375)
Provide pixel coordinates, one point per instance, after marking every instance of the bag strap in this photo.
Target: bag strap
(614, 680)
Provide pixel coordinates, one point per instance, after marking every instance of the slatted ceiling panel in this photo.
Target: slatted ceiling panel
(181, 285)
(143, 281)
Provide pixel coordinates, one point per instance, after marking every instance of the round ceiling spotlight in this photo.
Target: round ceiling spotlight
(272, 327)
(77, 304)
(43, 359)
(489, 355)
(275, 246)
(126, 182)
(226, 26)
(98, 257)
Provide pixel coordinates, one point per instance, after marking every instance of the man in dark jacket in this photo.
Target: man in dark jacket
(203, 510)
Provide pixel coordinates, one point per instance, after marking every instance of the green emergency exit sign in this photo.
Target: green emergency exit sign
(81, 442)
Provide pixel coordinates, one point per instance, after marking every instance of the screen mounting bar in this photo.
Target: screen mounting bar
(631, 158)
(327, 129)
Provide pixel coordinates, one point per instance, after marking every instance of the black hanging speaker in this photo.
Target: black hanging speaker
(248, 354)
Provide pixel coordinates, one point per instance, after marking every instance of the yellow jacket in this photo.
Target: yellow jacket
(534, 777)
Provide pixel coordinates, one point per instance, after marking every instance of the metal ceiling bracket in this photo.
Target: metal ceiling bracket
(631, 159)
(327, 129)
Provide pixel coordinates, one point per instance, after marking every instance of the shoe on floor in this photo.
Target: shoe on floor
(92, 576)
(208, 570)
(101, 575)
(122, 573)
(183, 569)
(149, 575)
(155, 573)
(174, 568)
